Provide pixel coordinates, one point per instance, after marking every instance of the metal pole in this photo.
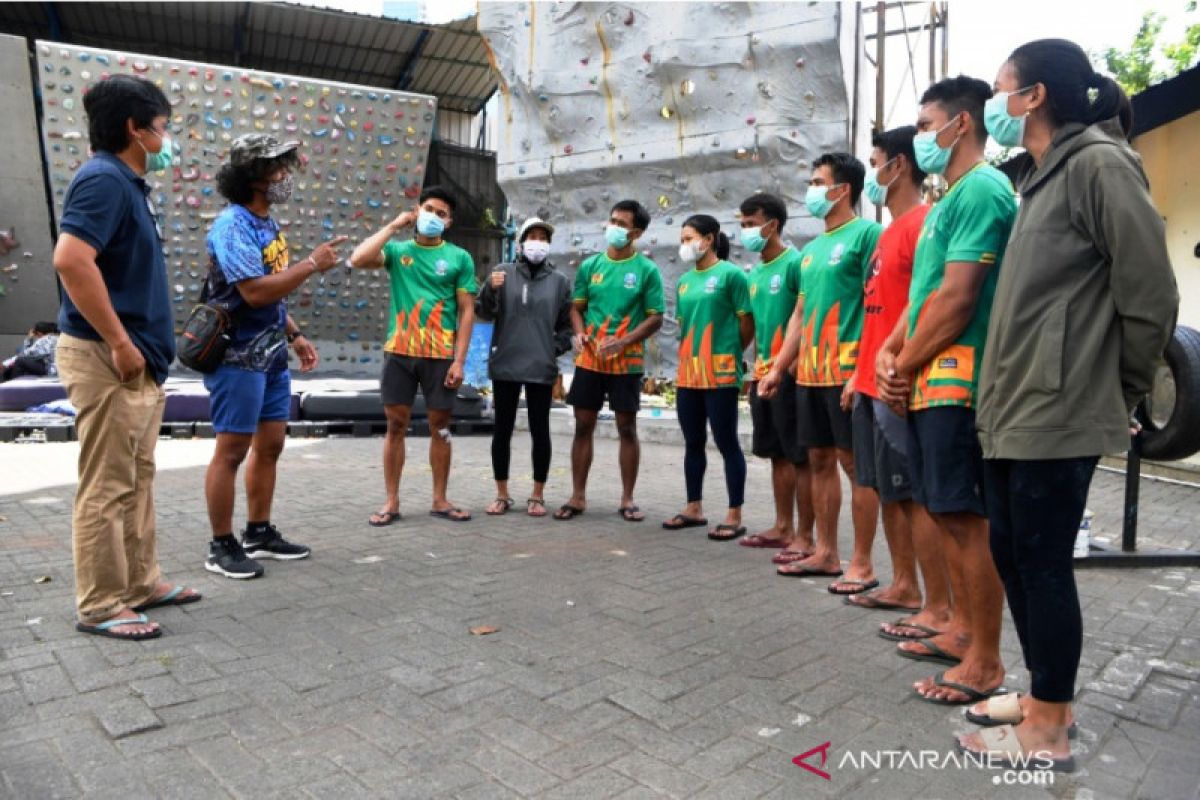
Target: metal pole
(880, 68)
(933, 26)
(1133, 475)
(945, 18)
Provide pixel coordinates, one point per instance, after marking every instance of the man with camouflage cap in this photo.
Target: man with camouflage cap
(250, 276)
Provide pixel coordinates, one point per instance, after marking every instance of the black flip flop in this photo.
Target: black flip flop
(900, 623)
(627, 513)
(810, 573)
(388, 518)
(973, 695)
(870, 601)
(448, 513)
(862, 586)
(680, 521)
(105, 629)
(935, 654)
(726, 532)
(567, 511)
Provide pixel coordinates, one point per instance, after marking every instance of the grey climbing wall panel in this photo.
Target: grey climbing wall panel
(686, 107)
(363, 153)
(28, 289)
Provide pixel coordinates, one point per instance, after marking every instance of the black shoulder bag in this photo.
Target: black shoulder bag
(206, 335)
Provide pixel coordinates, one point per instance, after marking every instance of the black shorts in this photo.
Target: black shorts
(820, 421)
(590, 388)
(775, 423)
(403, 374)
(880, 447)
(945, 460)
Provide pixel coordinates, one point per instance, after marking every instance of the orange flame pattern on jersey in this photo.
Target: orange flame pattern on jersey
(926, 396)
(696, 371)
(820, 360)
(762, 367)
(629, 360)
(422, 341)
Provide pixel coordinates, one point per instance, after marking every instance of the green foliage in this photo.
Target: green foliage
(1136, 69)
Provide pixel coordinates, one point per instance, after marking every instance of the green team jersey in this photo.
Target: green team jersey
(709, 304)
(426, 282)
(834, 268)
(616, 297)
(971, 223)
(774, 287)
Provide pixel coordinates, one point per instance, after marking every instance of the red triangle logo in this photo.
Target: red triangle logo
(823, 749)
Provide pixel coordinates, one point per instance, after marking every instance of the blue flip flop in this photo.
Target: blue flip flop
(105, 628)
(171, 598)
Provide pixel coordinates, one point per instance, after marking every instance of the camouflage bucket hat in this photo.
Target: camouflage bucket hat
(253, 146)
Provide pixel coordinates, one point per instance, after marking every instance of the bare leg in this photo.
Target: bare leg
(221, 479)
(805, 514)
(439, 457)
(630, 455)
(827, 502)
(581, 455)
(393, 457)
(864, 510)
(904, 590)
(265, 449)
(783, 487)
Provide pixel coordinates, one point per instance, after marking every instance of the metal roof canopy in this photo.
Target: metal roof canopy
(448, 61)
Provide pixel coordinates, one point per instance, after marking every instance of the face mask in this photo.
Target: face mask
(874, 190)
(279, 191)
(616, 236)
(1007, 130)
(753, 239)
(429, 224)
(931, 156)
(817, 202)
(535, 251)
(690, 253)
(157, 162)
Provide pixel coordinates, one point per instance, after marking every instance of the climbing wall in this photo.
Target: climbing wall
(686, 107)
(363, 153)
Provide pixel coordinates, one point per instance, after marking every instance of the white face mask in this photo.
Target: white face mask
(690, 253)
(535, 251)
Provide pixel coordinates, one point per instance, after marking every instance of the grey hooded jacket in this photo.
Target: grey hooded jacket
(1085, 303)
(532, 315)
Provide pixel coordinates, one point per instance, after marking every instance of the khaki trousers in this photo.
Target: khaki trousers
(116, 558)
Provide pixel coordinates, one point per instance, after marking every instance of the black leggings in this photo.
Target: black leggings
(718, 408)
(1034, 509)
(537, 402)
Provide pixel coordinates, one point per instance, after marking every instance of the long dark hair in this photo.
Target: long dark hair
(1064, 69)
(705, 225)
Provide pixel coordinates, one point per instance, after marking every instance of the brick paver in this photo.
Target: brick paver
(630, 661)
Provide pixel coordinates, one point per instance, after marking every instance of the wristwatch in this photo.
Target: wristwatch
(291, 337)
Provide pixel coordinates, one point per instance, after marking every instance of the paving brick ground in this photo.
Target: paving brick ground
(630, 662)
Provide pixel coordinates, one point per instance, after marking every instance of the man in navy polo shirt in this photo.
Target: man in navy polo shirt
(116, 344)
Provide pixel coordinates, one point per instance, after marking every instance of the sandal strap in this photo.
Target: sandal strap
(1001, 740)
(1005, 708)
(140, 619)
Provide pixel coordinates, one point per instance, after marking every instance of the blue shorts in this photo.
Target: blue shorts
(240, 398)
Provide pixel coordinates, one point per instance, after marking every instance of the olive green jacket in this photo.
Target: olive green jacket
(1085, 303)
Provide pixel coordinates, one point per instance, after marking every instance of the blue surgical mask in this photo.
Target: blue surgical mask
(753, 239)
(616, 236)
(429, 224)
(157, 162)
(931, 156)
(817, 202)
(1007, 130)
(875, 191)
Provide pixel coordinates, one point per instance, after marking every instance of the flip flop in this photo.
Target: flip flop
(873, 602)
(863, 586)
(627, 513)
(901, 623)
(385, 518)
(1002, 742)
(506, 502)
(567, 511)
(788, 556)
(726, 532)
(105, 628)
(758, 540)
(1005, 709)
(809, 573)
(448, 513)
(933, 654)
(973, 695)
(679, 522)
(171, 598)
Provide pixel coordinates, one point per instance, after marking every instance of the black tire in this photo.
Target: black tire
(1170, 415)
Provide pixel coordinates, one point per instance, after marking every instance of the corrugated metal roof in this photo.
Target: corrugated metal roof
(452, 64)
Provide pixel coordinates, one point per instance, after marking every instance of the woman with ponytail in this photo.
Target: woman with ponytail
(712, 305)
(1085, 303)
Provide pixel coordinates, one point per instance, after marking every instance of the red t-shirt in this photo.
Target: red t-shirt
(886, 292)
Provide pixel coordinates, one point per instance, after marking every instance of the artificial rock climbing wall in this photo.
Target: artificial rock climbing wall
(686, 107)
(363, 153)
